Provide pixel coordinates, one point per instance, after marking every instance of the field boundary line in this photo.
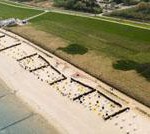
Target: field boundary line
(35, 16)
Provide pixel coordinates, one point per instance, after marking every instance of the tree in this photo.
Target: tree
(145, 0)
(81, 5)
(118, 1)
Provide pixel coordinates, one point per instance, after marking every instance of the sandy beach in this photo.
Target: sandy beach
(18, 118)
(65, 96)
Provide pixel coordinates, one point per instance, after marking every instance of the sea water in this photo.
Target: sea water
(18, 118)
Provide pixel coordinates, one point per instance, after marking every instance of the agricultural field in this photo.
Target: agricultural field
(116, 53)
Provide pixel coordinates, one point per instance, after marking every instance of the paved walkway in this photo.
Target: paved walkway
(35, 16)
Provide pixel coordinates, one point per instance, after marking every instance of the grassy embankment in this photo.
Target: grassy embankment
(117, 53)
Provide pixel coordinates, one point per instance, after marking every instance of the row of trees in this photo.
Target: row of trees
(140, 12)
(130, 2)
(80, 5)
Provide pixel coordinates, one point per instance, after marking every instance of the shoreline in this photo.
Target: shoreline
(15, 89)
(6, 93)
(7, 83)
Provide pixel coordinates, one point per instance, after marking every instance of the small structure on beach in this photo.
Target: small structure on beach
(12, 22)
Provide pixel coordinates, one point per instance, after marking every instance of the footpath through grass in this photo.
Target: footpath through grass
(127, 21)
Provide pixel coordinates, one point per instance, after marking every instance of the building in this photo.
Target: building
(8, 22)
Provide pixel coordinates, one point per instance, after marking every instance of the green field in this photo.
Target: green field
(115, 40)
(126, 47)
(126, 21)
(122, 42)
(7, 11)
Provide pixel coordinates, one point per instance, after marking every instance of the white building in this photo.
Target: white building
(8, 22)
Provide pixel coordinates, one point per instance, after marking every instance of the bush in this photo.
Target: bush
(59, 3)
(140, 12)
(90, 6)
(126, 2)
(145, 0)
(130, 2)
(143, 6)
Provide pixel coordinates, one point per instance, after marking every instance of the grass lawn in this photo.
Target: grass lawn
(7, 11)
(74, 49)
(126, 21)
(115, 40)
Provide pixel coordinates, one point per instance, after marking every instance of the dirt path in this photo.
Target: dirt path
(35, 16)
